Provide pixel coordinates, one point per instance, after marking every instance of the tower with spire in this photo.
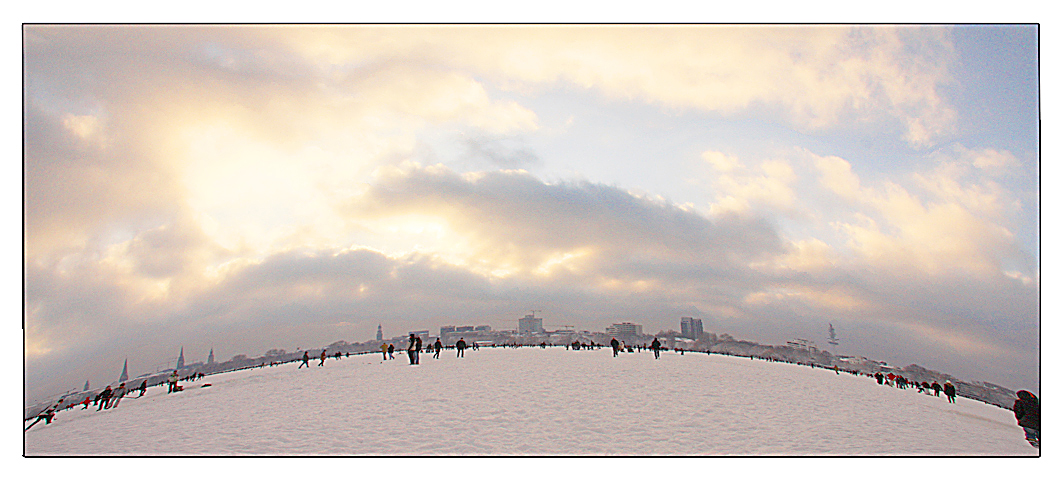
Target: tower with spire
(125, 372)
(210, 357)
(833, 340)
(86, 385)
(181, 359)
(380, 333)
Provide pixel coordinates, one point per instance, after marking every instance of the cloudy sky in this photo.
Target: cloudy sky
(248, 188)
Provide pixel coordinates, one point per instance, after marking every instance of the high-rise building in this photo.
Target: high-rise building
(624, 329)
(530, 325)
(690, 327)
(210, 357)
(380, 333)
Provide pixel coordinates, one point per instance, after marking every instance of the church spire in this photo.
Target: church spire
(181, 359)
(125, 372)
(86, 385)
(380, 333)
(210, 357)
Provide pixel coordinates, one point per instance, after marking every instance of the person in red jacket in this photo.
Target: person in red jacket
(1027, 411)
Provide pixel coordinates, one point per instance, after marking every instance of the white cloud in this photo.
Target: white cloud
(741, 189)
(815, 76)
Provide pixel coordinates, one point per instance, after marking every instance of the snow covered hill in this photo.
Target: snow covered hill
(533, 401)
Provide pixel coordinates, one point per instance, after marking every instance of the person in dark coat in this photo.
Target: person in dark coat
(950, 391)
(306, 360)
(47, 415)
(391, 349)
(104, 397)
(460, 346)
(656, 346)
(616, 345)
(143, 387)
(937, 387)
(410, 350)
(1028, 416)
(437, 346)
(879, 377)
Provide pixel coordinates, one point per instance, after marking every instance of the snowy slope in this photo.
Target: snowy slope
(533, 401)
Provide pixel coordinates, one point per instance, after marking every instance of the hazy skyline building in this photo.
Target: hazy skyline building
(690, 327)
(380, 333)
(125, 371)
(625, 329)
(181, 359)
(210, 357)
(530, 325)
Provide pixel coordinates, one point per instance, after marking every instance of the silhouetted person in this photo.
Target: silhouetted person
(322, 362)
(391, 349)
(656, 346)
(104, 397)
(437, 346)
(143, 387)
(937, 387)
(417, 350)
(616, 345)
(410, 353)
(46, 415)
(306, 360)
(879, 377)
(950, 391)
(460, 346)
(1028, 416)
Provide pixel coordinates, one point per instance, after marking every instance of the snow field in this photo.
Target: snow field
(533, 401)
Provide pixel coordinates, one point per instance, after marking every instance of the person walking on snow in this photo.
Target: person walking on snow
(322, 362)
(656, 346)
(46, 415)
(950, 391)
(437, 346)
(460, 346)
(172, 381)
(615, 345)
(410, 349)
(937, 387)
(306, 360)
(1028, 416)
(104, 397)
(143, 387)
(119, 394)
(384, 352)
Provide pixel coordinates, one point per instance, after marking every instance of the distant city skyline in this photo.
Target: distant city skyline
(245, 188)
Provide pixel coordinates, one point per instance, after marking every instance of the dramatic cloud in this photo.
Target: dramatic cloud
(249, 188)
